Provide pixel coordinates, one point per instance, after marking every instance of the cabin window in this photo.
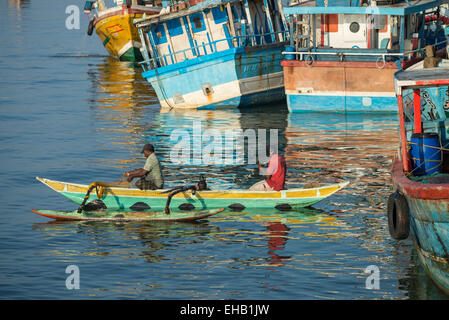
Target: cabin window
(354, 27)
(220, 15)
(174, 27)
(158, 34)
(380, 23)
(197, 22)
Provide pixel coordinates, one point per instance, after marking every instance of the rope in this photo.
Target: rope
(98, 191)
(432, 147)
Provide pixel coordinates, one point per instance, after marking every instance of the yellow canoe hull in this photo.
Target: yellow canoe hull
(117, 32)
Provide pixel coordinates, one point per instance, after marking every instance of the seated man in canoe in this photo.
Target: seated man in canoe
(275, 179)
(150, 175)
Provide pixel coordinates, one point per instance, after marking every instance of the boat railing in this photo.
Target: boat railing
(382, 54)
(236, 41)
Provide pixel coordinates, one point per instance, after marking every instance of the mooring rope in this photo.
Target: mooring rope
(432, 147)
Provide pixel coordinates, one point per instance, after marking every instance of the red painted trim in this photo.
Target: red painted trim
(417, 190)
(404, 154)
(417, 110)
(115, 25)
(336, 64)
(408, 63)
(368, 37)
(323, 23)
(433, 82)
(51, 216)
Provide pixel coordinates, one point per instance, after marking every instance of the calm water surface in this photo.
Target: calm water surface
(69, 112)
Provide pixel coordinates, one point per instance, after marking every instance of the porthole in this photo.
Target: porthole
(354, 27)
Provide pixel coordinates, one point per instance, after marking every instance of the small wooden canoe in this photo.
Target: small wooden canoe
(127, 216)
(120, 198)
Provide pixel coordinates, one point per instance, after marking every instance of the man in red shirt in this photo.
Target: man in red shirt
(275, 180)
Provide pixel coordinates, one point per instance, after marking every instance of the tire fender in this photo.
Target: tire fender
(90, 28)
(398, 214)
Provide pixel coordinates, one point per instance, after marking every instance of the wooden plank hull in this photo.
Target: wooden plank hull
(126, 216)
(429, 223)
(333, 86)
(128, 198)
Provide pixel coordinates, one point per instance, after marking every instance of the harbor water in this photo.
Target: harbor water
(69, 112)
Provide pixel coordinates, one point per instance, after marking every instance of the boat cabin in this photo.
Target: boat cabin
(209, 27)
(365, 30)
(423, 104)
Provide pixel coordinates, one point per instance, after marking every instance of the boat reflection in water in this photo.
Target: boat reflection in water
(156, 236)
(325, 147)
(120, 100)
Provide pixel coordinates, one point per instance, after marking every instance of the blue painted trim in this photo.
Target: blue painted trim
(269, 24)
(235, 13)
(163, 39)
(219, 15)
(228, 35)
(174, 27)
(223, 55)
(153, 47)
(315, 103)
(142, 39)
(186, 25)
(171, 56)
(197, 48)
(210, 44)
(401, 34)
(192, 22)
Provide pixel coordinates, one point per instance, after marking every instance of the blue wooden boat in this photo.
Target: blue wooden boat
(343, 54)
(216, 53)
(421, 175)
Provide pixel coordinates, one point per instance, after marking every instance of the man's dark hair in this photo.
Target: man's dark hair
(148, 147)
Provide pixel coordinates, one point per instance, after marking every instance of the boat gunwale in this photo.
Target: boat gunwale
(417, 190)
(339, 186)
